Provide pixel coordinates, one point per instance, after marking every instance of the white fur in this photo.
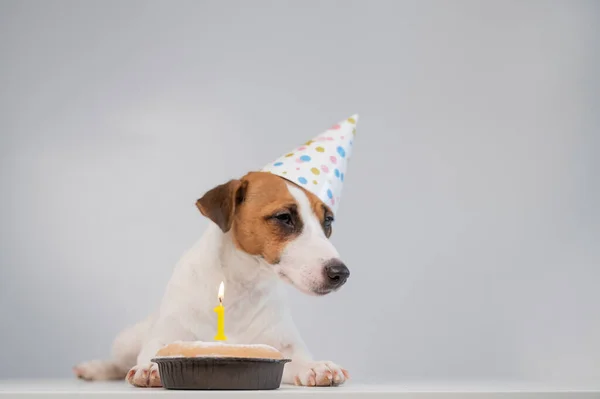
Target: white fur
(256, 309)
(302, 260)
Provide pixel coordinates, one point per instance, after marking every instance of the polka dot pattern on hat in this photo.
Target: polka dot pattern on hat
(320, 164)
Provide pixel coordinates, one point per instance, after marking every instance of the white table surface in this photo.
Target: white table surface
(73, 387)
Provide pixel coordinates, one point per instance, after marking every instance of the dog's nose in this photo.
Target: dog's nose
(337, 273)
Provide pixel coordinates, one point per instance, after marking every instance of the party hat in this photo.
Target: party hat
(320, 164)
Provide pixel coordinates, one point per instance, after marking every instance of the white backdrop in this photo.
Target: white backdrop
(470, 213)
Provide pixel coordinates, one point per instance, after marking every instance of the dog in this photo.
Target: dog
(265, 229)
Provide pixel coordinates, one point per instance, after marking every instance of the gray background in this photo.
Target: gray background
(470, 213)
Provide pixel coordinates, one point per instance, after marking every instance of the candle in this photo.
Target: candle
(220, 311)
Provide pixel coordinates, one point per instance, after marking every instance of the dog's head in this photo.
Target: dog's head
(283, 224)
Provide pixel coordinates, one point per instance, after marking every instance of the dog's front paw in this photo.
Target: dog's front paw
(144, 375)
(320, 374)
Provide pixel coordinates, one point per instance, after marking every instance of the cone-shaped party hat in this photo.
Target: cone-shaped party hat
(320, 164)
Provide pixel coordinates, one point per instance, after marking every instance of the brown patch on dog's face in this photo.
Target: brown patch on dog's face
(260, 211)
(268, 219)
(322, 211)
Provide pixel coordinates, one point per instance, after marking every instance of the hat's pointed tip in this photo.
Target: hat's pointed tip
(353, 119)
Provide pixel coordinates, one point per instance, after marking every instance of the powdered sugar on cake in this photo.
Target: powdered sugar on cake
(215, 345)
(204, 344)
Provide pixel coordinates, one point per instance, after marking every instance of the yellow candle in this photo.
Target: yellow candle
(220, 311)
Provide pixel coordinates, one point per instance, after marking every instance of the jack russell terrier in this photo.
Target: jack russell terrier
(265, 229)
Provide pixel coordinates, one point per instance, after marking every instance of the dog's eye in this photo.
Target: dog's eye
(328, 221)
(285, 218)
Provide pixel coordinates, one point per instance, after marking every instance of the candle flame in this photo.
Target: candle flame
(221, 292)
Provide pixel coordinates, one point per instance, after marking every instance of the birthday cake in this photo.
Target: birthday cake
(216, 365)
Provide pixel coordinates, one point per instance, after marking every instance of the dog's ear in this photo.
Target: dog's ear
(219, 203)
